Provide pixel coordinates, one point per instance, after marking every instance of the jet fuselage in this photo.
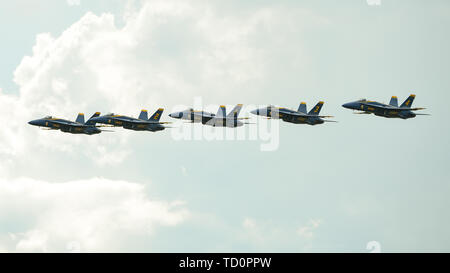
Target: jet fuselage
(66, 126)
(287, 115)
(128, 123)
(380, 109)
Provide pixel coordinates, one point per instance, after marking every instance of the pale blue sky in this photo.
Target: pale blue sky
(362, 179)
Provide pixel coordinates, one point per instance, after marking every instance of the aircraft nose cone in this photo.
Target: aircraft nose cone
(254, 112)
(347, 105)
(175, 115)
(33, 122)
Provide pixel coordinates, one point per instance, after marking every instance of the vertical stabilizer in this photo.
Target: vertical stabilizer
(221, 113)
(316, 110)
(143, 115)
(302, 108)
(80, 118)
(409, 101)
(394, 101)
(90, 122)
(235, 112)
(157, 115)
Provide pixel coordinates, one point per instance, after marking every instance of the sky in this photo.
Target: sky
(335, 187)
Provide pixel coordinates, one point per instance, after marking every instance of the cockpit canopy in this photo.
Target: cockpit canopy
(48, 117)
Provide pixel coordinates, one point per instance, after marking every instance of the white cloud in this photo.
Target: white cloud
(308, 230)
(98, 214)
(184, 171)
(267, 235)
(249, 223)
(59, 86)
(166, 53)
(257, 233)
(73, 2)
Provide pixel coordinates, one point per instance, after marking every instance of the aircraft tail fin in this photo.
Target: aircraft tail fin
(143, 115)
(316, 110)
(302, 108)
(80, 118)
(409, 101)
(235, 112)
(90, 122)
(157, 115)
(394, 101)
(221, 113)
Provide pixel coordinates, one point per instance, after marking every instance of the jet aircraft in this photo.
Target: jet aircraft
(383, 110)
(221, 119)
(301, 116)
(142, 123)
(67, 126)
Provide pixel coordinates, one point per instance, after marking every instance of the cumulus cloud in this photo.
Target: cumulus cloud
(165, 53)
(95, 215)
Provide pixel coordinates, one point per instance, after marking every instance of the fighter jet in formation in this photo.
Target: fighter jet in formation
(67, 126)
(142, 123)
(383, 110)
(301, 116)
(221, 119)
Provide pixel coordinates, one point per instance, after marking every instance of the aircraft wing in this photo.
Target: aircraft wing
(67, 123)
(413, 109)
(392, 108)
(379, 106)
(306, 115)
(129, 121)
(138, 121)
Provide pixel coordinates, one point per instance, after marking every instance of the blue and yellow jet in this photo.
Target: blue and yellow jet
(301, 116)
(67, 126)
(383, 110)
(142, 123)
(221, 119)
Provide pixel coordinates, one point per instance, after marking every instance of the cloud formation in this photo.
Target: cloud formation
(97, 214)
(165, 53)
(308, 230)
(73, 2)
